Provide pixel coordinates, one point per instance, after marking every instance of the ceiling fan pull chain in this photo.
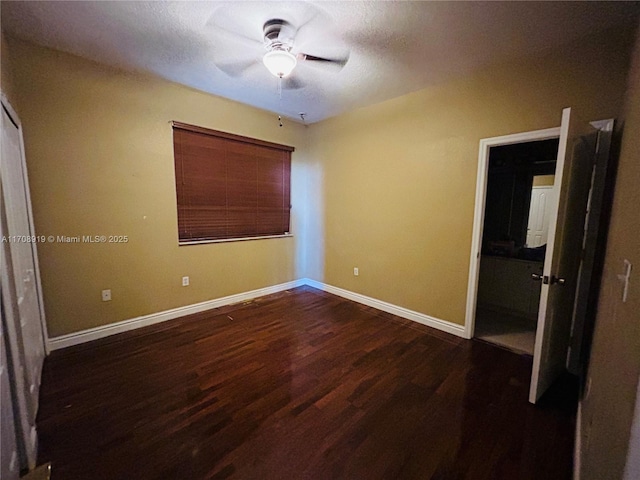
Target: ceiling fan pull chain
(280, 96)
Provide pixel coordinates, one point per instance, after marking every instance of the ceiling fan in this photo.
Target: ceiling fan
(283, 52)
(279, 37)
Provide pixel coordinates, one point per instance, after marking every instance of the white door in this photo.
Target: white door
(20, 283)
(583, 314)
(539, 211)
(576, 154)
(9, 460)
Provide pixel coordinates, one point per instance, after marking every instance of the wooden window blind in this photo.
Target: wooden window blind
(229, 186)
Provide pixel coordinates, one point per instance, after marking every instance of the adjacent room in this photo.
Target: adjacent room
(514, 241)
(299, 239)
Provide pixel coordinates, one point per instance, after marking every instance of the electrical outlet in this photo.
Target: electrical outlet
(106, 295)
(185, 281)
(356, 271)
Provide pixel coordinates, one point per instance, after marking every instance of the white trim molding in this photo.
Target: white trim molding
(418, 317)
(478, 217)
(96, 333)
(36, 262)
(103, 331)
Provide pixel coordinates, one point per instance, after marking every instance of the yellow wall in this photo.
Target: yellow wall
(388, 188)
(614, 367)
(100, 161)
(543, 180)
(6, 77)
(397, 179)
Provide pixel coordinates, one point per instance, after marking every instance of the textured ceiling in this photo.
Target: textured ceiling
(394, 47)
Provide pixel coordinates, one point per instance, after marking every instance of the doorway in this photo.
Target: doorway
(519, 195)
(583, 148)
(486, 145)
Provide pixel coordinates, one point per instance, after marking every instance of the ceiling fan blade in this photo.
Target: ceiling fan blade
(300, 38)
(336, 62)
(236, 69)
(293, 83)
(238, 37)
(219, 24)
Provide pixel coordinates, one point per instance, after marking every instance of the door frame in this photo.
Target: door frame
(583, 318)
(478, 219)
(22, 404)
(4, 103)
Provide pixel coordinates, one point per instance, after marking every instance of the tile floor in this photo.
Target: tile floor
(510, 331)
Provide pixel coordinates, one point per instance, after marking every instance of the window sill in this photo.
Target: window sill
(225, 240)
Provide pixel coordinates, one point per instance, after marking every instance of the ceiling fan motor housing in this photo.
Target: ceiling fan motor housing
(278, 34)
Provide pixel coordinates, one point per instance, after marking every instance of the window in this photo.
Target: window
(228, 186)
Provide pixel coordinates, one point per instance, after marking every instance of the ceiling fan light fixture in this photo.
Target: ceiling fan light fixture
(279, 62)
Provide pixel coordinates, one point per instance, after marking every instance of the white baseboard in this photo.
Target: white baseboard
(433, 322)
(90, 334)
(96, 333)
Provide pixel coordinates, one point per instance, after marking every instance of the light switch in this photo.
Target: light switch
(625, 279)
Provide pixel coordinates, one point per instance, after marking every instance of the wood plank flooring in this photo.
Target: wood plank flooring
(297, 385)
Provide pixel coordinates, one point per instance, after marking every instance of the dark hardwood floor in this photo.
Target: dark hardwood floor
(298, 385)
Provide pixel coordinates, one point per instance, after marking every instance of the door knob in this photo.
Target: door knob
(536, 277)
(559, 281)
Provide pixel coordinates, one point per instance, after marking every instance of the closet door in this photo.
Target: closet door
(9, 459)
(20, 283)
